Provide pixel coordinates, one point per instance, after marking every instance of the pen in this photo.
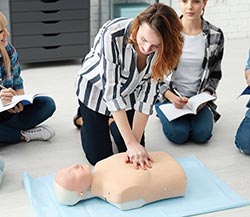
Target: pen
(182, 98)
(178, 94)
(2, 87)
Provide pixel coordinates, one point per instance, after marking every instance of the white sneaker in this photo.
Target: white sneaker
(41, 133)
(1, 169)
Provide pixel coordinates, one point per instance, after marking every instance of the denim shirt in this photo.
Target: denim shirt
(15, 80)
(247, 67)
(248, 111)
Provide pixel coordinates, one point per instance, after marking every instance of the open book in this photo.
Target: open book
(24, 99)
(191, 107)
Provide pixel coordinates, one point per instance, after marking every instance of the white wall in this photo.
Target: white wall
(232, 16)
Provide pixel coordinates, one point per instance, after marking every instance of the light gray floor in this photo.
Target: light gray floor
(43, 158)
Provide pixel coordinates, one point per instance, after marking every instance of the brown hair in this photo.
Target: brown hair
(166, 23)
(6, 59)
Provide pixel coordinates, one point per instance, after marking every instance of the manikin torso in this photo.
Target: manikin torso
(123, 186)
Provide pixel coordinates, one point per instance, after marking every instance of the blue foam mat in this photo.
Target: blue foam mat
(205, 193)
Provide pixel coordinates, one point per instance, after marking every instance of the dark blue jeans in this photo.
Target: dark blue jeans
(197, 128)
(95, 134)
(33, 114)
(242, 138)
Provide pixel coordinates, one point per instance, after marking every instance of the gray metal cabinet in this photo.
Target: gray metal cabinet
(49, 30)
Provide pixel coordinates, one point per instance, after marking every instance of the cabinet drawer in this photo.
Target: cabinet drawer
(53, 53)
(41, 5)
(48, 27)
(35, 16)
(45, 40)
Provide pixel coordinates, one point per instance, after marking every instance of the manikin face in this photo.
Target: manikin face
(75, 178)
(148, 41)
(192, 9)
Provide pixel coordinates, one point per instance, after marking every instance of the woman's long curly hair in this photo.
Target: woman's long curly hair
(6, 59)
(167, 25)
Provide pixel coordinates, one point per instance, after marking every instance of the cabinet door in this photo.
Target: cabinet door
(52, 53)
(47, 5)
(47, 30)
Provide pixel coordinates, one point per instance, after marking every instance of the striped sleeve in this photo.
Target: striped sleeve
(147, 97)
(111, 73)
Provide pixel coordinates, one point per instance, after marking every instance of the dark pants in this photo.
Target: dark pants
(33, 114)
(95, 134)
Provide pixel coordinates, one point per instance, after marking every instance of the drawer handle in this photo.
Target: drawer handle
(51, 21)
(49, 1)
(51, 34)
(50, 12)
(51, 47)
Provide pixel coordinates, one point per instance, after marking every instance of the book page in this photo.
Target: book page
(195, 101)
(172, 113)
(28, 98)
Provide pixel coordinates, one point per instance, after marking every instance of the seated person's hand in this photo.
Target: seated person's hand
(177, 101)
(203, 104)
(248, 78)
(6, 95)
(18, 108)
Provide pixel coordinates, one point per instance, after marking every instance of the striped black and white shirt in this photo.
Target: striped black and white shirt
(108, 80)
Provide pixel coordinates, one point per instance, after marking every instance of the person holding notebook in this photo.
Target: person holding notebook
(19, 123)
(198, 70)
(242, 138)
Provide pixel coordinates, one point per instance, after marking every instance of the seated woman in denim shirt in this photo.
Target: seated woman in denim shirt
(242, 139)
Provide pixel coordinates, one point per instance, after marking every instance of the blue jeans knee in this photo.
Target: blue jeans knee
(242, 138)
(176, 133)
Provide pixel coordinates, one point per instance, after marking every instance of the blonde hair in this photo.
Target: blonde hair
(6, 58)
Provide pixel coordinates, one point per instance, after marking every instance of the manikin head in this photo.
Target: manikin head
(72, 183)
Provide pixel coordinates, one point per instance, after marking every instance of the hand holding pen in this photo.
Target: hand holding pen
(6, 95)
(182, 97)
(179, 101)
